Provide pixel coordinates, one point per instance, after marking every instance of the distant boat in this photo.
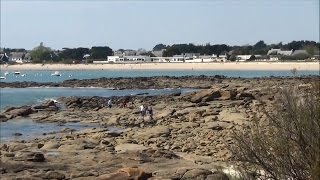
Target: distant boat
(23, 75)
(16, 72)
(56, 73)
(6, 73)
(2, 77)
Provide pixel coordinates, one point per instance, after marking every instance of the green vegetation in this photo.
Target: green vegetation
(75, 53)
(159, 47)
(42, 53)
(287, 145)
(100, 52)
(260, 48)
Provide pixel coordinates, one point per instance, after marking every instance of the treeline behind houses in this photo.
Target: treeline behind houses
(260, 48)
(41, 53)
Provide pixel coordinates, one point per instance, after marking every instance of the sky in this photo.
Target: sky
(133, 24)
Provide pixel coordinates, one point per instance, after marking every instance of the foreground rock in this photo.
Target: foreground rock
(188, 137)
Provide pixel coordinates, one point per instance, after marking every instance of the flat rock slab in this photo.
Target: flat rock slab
(122, 148)
(234, 117)
(154, 132)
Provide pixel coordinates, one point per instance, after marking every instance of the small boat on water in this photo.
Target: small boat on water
(56, 73)
(2, 77)
(16, 72)
(6, 73)
(23, 75)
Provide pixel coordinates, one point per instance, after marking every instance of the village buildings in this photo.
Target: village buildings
(143, 56)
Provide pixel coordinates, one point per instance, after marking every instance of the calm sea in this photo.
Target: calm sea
(45, 76)
(30, 96)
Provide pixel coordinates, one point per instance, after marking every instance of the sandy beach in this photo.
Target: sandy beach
(304, 66)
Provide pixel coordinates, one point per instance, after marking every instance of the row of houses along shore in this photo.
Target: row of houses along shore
(134, 57)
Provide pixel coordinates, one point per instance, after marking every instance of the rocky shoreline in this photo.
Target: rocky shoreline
(158, 82)
(189, 136)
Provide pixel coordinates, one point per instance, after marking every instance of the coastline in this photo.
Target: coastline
(188, 132)
(303, 66)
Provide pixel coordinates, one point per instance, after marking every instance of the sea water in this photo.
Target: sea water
(31, 96)
(45, 76)
(30, 130)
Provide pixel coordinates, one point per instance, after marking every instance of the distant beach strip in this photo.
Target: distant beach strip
(303, 66)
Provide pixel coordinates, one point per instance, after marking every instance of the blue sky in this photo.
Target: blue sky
(131, 24)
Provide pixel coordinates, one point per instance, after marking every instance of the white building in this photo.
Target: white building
(177, 58)
(113, 59)
(279, 52)
(220, 58)
(204, 59)
(242, 58)
(17, 57)
(137, 58)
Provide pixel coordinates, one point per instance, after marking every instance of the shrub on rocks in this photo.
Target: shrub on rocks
(287, 146)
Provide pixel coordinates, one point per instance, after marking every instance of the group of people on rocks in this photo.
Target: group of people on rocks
(145, 110)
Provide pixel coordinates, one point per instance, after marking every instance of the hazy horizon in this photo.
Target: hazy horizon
(143, 24)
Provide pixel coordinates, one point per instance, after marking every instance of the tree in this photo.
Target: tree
(41, 53)
(100, 52)
(148, 54)
(260, 45)
(75, 53)
(260, 48)
(312, 50)
(159, 47)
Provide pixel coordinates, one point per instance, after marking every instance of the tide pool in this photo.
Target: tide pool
(29, 130)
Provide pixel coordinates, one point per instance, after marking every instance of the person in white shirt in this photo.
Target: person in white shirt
(109, 103)
(142, 110)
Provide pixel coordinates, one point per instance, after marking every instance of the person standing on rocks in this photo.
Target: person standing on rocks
(142, 111)
(110, 104)
(150, 112)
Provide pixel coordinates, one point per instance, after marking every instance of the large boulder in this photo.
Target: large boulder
(217, 125)
(3, 118)
(126, 174)
(19, 111)
(49, 105)
(136, 173)
(245, 95)
(53, 175)
(196, 174)
(154, 132)
(16, 147)
(30, 156)
(217, 176)
(227, 94)
(50, 145)
(205, 95)
(122, 148)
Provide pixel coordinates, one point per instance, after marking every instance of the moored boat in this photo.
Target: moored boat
(56, 73)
